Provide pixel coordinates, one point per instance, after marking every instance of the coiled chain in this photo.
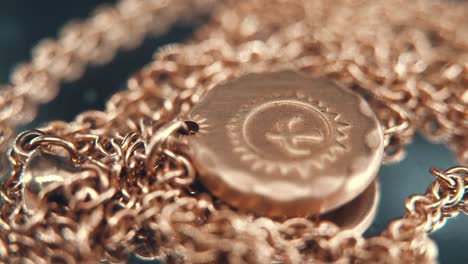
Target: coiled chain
(130, 189)
(94, 41)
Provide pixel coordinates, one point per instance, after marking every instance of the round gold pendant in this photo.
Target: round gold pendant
(285, 144)
(358, 214)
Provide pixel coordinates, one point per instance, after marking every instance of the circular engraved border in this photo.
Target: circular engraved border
(337, 127)
(232, 180)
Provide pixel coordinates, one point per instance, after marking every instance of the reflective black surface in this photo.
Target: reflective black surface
(24, 22)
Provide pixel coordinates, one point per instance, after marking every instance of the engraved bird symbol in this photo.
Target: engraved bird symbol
(288, 137)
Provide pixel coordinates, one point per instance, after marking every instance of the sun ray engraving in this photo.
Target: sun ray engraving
(302, 133)
(202, 124)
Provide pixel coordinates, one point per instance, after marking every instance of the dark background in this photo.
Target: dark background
(24, 22)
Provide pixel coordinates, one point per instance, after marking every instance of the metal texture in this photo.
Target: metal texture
(358, 214)
(82, 43)
(408, 58)
(42, 173)
(285, 144)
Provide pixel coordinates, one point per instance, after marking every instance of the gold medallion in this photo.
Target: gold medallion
(285, 144)
(358, 214)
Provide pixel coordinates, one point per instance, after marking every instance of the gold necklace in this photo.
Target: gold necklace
(248, 144)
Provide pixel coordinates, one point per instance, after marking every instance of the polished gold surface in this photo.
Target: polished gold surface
(285, 144)
(43, 173)
(408, 58)
(358, 214)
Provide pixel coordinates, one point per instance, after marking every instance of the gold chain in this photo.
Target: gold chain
(94, 41)
(136, 193)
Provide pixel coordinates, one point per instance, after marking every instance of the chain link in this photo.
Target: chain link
(141, 194)
(94, 41)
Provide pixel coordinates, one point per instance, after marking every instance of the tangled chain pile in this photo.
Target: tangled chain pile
(411, 66)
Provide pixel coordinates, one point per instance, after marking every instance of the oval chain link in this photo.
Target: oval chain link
(146, 198)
